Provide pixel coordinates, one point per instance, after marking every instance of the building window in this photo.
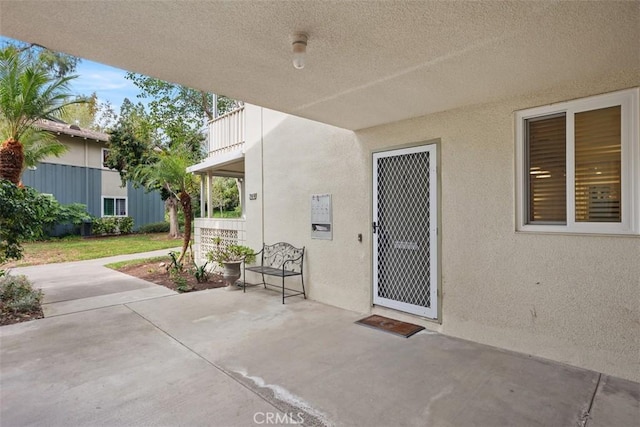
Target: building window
(114, 206)
(105, 155)
(578, 166)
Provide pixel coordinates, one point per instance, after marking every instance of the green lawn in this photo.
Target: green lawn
(121, 264)
(226, 214)
(78, 249)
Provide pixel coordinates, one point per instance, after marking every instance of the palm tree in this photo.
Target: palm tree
(28, 93)
(170, 172)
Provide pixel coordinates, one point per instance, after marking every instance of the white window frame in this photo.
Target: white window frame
(126, 206)
(630, 159)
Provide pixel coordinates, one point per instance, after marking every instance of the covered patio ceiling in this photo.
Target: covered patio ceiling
(368, 62)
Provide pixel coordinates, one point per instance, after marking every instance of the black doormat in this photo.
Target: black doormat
(390, 325)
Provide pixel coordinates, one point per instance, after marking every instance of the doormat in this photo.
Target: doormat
(390, 325)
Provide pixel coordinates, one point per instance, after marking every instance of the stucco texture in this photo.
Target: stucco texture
(80, 152)
(570, 298)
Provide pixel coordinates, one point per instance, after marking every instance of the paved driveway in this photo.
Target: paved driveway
(219, 358)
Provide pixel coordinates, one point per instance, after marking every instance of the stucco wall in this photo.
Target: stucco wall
(571, 298)
(76, 154)
(112, 184)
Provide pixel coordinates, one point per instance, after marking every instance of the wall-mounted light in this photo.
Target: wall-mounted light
(299, 49)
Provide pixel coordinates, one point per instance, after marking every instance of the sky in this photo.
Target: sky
(108, 82)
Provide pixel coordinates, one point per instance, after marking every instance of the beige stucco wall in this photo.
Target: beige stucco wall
(570, 298)
(112, 185)
(81, 152)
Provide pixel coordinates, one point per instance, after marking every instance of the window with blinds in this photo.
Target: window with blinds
(578, 165)
(113, 206)
(598, 165)
(547, 152)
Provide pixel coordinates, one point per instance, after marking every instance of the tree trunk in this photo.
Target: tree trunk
(185, 202)
(172, 206)
(11, 160)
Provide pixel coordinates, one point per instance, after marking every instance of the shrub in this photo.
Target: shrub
(75, 213)
(125, 225)
(23, 213)
(18, 296)
(112, 225)
(97, 227)
(155, 227)
(52, 213)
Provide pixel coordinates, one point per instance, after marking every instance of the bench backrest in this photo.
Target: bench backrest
(275, 255)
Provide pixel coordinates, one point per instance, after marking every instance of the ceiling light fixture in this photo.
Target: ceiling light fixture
(299, 50)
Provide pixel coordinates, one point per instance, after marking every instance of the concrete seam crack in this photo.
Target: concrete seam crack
(99, 308)
(586, 416)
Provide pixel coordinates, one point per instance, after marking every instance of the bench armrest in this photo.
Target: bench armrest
(291, 260)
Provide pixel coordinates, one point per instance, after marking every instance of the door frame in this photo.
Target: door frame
(432, 313)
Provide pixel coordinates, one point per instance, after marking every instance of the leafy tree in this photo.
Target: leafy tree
(28, 93)
(105, 118)
(179, 111)
(82, 114)
(224, 193)
(170, 100)
(57, 64)
(133, 146)
(135, 151)
(153, 146)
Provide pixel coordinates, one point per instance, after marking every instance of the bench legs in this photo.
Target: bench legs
(304, 293)
(264, 283)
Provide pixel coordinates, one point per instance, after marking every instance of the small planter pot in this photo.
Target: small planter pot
(231, 274)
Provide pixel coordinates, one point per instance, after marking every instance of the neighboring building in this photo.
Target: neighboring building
(79, 176)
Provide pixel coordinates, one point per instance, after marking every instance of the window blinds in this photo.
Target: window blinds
(598, 165)
(546, 141)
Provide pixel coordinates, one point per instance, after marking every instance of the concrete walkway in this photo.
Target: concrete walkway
(84, 285)
(218, 358)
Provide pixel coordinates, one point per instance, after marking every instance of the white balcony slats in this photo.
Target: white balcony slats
(226, 133)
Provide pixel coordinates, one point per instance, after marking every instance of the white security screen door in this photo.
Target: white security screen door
(405, 230)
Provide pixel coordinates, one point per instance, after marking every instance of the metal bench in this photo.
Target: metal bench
(280, 260)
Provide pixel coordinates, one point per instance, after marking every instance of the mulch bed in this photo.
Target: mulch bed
(10, 318)
(156, 272)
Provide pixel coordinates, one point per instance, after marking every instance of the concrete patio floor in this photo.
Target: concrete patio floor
(219, 358)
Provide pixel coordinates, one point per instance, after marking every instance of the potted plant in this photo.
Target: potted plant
(230, 258)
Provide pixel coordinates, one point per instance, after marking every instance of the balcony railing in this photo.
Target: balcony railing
(226, 133)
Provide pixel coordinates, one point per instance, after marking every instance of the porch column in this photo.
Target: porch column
(243, 205)
(202, 196)
(209, 183)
